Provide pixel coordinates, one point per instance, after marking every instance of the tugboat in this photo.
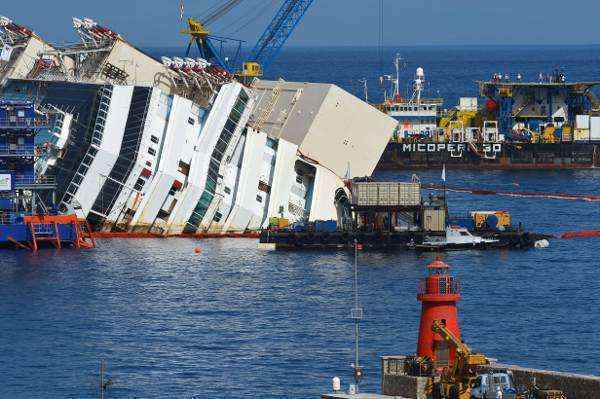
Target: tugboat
(457, 238)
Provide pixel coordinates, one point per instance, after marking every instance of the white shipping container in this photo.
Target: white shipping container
(582, 122)
(467, 104)
(595, 128)
(386, 194)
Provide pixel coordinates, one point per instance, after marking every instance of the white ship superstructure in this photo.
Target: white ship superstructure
(177, 146)
(417, 116)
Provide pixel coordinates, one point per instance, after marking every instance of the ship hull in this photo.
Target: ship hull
(500, 156)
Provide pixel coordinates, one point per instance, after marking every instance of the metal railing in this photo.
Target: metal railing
(8, 217)
(443, 285)
(18, 150)
(22, 123)
(29, 180)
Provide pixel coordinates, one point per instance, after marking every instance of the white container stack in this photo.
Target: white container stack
(386, 194)
(595, 128)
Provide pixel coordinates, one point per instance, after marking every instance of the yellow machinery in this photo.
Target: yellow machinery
(251, 69)
(456, 382)
(499, 220)
(548, 136)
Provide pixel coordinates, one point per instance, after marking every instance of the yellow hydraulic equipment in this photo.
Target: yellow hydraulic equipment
(456, 382)
(491, 219)
(197, 30)
(548, 135)
(251, 69)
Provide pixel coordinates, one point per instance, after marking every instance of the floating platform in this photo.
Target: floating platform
(380, 241)
(33, 232)
(500, 156)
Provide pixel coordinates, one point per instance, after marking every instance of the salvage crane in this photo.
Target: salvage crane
(266, 49)
(274, 37)
(201, 36)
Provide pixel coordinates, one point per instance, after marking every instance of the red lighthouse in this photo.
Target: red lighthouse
(438, 292)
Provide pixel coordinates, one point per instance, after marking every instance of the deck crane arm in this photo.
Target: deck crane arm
(274, 37)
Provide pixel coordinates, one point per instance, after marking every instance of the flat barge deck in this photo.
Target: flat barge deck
(500, 156)
(381, 240)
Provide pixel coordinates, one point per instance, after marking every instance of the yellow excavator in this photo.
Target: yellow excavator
(456, 381)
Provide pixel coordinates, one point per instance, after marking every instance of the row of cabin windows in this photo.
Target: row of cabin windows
(215, 162)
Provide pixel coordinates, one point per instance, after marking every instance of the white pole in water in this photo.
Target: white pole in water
(357, 316)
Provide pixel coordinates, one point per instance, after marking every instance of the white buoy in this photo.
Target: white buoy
(542, 244)
(336, 384)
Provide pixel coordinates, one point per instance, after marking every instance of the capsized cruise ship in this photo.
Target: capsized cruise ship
(178, 146)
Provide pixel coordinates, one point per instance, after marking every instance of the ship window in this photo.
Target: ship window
(151, 151)
(227, 190)
(139, 185)
(259, 199)
(218, 217)
(299, 180)
(191, 121)
(154, 139)
(149, 164)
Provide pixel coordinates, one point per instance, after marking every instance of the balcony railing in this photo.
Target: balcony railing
(22, 181)
(17, 150)
(23, 123)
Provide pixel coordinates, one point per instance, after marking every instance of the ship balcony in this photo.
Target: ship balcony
(22, 124)
(30, 182)
(439, 288)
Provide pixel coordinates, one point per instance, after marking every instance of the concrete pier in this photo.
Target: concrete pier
(575, 386)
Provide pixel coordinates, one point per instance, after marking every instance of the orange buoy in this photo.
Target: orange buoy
(197, 250)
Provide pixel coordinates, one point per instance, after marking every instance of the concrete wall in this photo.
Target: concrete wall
(575, 386)
(404, 385)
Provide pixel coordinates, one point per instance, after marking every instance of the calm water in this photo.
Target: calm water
(235, 322)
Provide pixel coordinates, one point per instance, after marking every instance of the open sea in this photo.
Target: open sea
(236, 322)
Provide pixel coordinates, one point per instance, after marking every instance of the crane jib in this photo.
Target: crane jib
(279, 30)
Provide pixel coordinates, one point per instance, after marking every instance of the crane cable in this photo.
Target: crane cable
(251, 19)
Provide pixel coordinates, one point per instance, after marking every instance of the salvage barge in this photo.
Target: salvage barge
(395, 216)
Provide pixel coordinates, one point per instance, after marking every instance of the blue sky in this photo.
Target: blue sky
(334, 22)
